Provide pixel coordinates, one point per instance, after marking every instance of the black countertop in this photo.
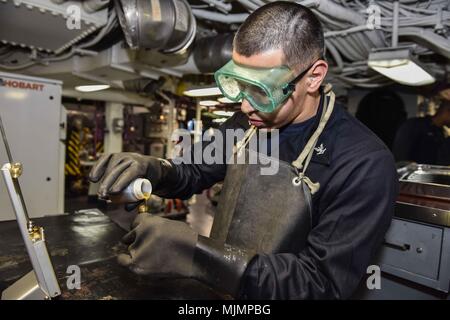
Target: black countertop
(91, 241)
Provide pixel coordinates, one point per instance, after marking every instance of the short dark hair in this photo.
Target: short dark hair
(282, 25)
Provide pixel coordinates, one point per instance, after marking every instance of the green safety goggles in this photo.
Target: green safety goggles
(264, 89)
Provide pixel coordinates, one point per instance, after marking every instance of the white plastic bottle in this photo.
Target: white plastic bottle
(139, 189)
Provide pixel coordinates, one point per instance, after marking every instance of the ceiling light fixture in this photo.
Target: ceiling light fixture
(219, 120)
(209, 103)
(223, 113)
(399, 65)
(92, 88)
(203, 92)
(226, 100)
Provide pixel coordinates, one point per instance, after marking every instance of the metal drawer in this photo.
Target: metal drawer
(412, 247)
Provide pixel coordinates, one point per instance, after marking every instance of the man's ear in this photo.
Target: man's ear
(316, 76)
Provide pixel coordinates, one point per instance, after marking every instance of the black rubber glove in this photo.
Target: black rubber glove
(116, 171)
(159, 246)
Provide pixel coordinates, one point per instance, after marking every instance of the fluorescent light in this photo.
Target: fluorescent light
(92, 88)
(403, 71)
(223, 113)
(208, 103)
(226, 100)
(203, 92)
(400, 66)
(219, 120)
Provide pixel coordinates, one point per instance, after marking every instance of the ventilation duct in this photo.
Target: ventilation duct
(143, 86)
(211, 53)
(166, 25)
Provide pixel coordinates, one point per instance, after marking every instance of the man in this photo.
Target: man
(423, 140)
(350, 173)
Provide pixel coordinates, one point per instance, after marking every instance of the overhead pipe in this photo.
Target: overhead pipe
(362, 41)
(343, 47)
(208, 55)
(336, 11)
(345, 32)
(395, 24)
(351, 47)
(95, 5)
(168, 26)
(220, 5)
(336, 56)
(249, 5)
(428, 39)
(219, 17)
(211, 53)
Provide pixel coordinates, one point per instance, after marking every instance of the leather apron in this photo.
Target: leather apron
(268, 213)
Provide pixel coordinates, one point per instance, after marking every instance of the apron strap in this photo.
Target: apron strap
(243, 143)
(305, 156)
(302, 162)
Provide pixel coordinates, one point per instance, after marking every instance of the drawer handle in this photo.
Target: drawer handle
(402, 247)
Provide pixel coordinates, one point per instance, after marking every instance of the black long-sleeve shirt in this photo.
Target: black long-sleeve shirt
(351, 211)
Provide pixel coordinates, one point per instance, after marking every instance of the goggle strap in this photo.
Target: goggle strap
(291, 85)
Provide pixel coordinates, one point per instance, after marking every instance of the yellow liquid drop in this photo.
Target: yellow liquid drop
(146, 197)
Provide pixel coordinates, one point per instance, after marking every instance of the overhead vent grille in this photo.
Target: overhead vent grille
(43, 24)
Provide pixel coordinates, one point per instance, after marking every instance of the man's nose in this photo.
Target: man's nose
(246, 107)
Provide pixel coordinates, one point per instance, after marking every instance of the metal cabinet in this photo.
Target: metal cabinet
(31, 111)
(417, 252)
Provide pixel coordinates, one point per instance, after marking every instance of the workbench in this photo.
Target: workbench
(91, 241)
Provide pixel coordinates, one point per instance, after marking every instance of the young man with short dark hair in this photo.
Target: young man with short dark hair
(307, 232)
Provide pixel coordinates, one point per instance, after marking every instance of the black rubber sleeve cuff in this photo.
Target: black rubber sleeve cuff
(219, 265)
